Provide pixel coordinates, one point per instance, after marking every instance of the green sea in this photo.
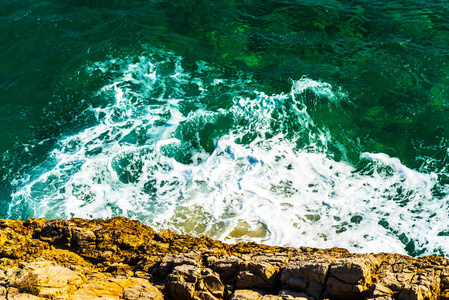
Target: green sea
(284, 122)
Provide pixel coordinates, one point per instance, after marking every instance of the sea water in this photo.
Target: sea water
(294, 123)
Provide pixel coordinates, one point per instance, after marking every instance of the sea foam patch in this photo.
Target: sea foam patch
(201, 154)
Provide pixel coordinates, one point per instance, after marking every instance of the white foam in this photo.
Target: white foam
(280, 186)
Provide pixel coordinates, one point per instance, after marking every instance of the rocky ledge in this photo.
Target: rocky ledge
(123, 259)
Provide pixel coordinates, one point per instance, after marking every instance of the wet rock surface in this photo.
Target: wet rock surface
(123, 259)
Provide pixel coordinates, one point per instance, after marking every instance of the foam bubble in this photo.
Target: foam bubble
(195, 152)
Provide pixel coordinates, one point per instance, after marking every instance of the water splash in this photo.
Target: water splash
(202, 154)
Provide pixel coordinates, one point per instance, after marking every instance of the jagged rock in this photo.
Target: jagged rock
(142, 292)
(56, 282)
(393, 275)
(308, 275)
(50, 279)
(211, 283)
(119, 269)
(351, 278)
(56, 232)
(261, 275)
(408, 278)
(101, 287)
(118, 235)
(98, 288)
(14, 294)
(444, 285)
(297, 295)
(191, 282)
(8, 275)
(83, 239)
(424, 285)
(15, 243)
(2, 293)
(123, 259)
(171, 261)
(261, 272)
(182, 281)
(247, 295)
(228, 268)
(165, 236)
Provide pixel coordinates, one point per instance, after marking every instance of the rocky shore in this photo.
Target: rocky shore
(123, 259)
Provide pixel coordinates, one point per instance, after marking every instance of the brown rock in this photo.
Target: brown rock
(257, 274)
(444, 284)
(262, 272)
(204, 295)
(211, 283)
(171, 261)
(15, 244)
(424, 285)
(182, 281)
(228, 268)
(83, 239)
(190, 282)
(100, 287)
(137, 289)
(51, 280)
(247, 295)
(351, 278)
(296, 295)
(97, 288)
(56, 232)
(123, 259)
(308, 275)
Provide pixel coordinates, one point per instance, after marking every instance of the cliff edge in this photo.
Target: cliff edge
(123, 259)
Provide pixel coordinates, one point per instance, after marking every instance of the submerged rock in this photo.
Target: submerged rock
(123, 259)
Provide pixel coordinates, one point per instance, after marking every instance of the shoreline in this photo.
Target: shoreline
(123, 259)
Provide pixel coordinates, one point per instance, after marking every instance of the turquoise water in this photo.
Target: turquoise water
(298, 123)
